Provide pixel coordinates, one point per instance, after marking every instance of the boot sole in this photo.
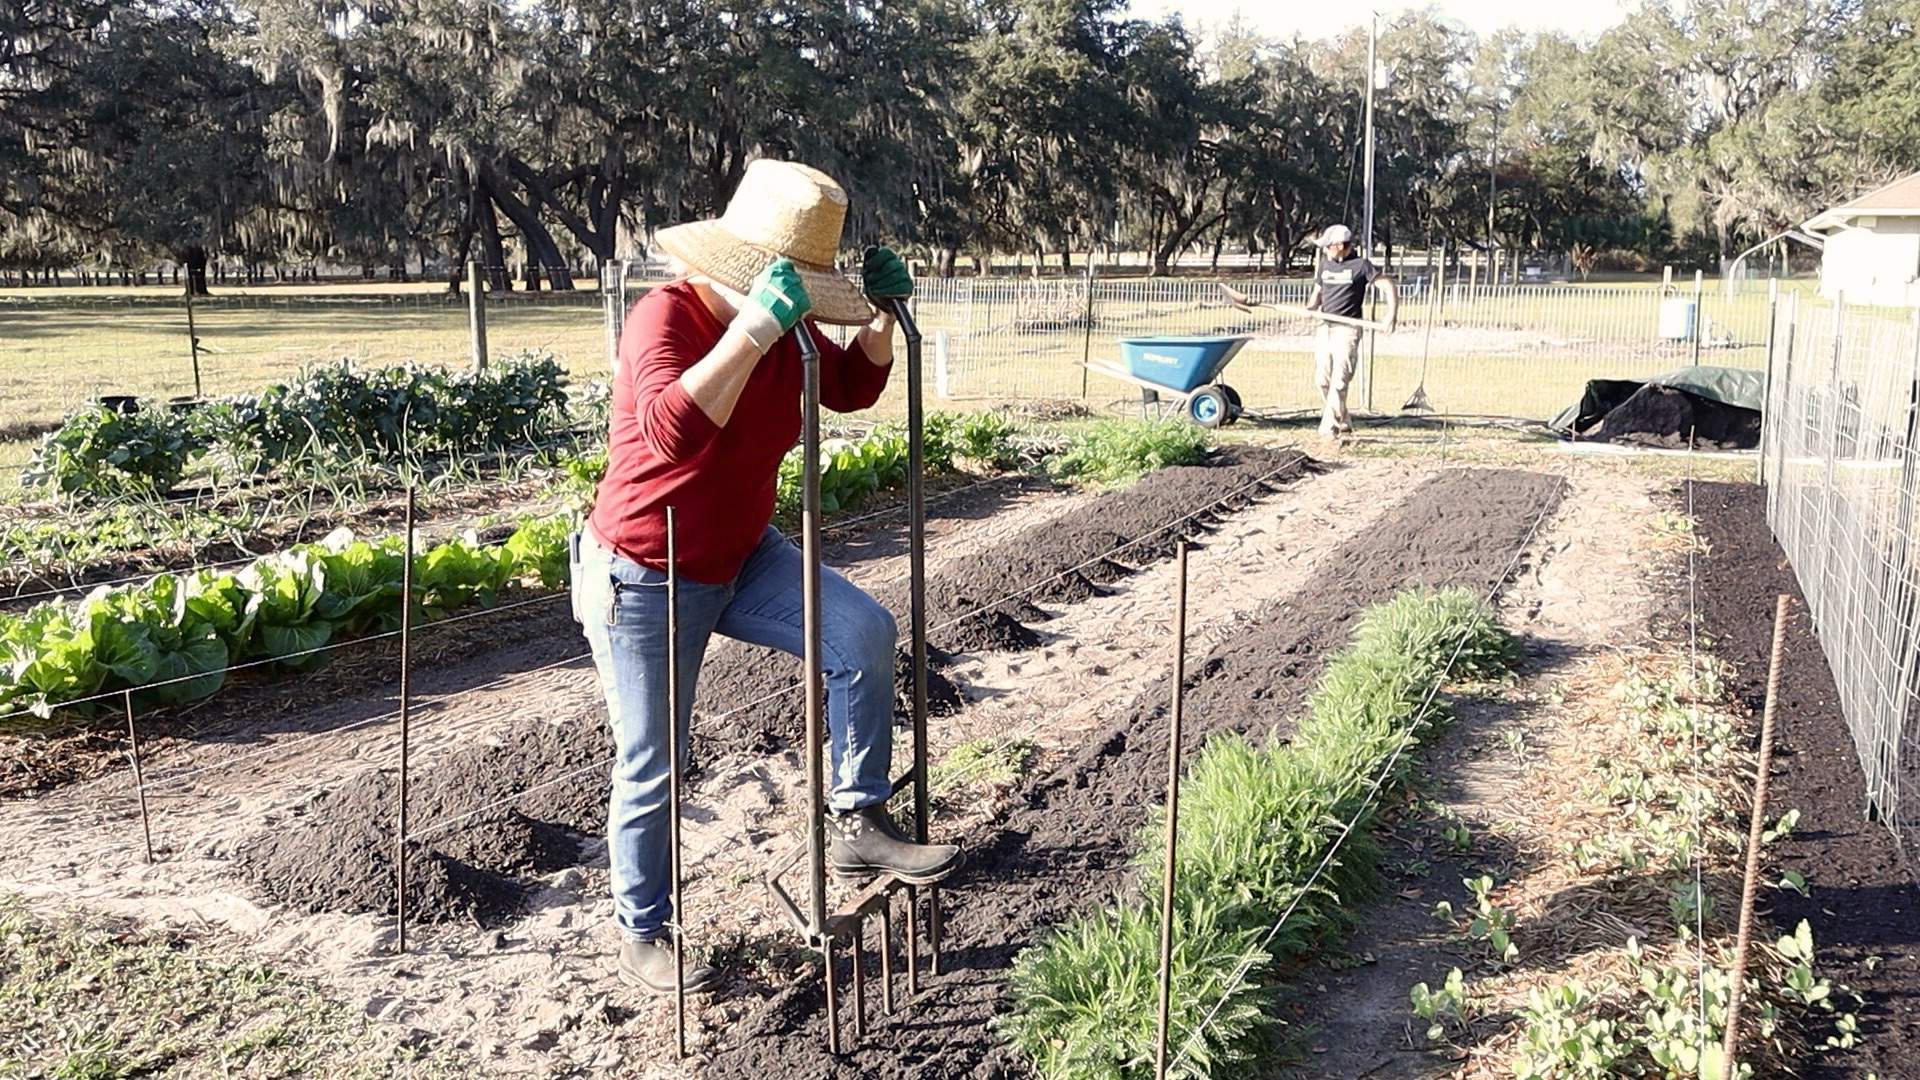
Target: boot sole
(861, 875)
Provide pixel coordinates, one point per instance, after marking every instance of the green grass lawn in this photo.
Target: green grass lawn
(1523, 352)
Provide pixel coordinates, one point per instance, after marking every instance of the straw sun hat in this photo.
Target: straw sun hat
(780, 208)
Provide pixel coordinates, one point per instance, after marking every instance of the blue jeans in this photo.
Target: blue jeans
(623, 608)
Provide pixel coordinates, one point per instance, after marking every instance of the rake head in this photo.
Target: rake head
(1418, 402)
(1239, 299)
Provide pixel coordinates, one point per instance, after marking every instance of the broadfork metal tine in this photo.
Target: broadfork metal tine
(913, 941)
(886, 957)
(859, 979)
(833, 999)
(933, 928)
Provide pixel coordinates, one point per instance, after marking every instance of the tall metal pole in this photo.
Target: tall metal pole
(810, 661)
(1373, 26)
(674, 768)
(1699, 316)
(406, 726)
(1086, 340)
(1766, 386)
(1173, 810)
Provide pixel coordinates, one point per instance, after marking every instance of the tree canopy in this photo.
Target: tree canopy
(417, 132)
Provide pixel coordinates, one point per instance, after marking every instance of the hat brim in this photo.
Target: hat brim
(708, 248)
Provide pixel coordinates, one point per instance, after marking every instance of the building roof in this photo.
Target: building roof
(1898, 199)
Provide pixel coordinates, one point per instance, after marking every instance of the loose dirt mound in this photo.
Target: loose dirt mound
(1864, 910)
(1066, 845)
(340, 858)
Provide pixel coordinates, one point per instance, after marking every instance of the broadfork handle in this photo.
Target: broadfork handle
(902, 314)
(803, 336)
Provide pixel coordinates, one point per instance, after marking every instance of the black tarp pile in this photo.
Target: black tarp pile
(1711, 408)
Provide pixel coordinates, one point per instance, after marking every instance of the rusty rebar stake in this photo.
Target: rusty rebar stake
(1173, 808)
(406, 730)
(139, 782)
(674, 766)
(1730, 1041)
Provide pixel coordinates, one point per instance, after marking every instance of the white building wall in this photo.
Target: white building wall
(1874, 264)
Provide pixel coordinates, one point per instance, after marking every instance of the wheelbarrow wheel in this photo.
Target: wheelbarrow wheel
(1234, 411)
(1209, 407)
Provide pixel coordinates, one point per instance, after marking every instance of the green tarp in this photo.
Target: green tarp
(1741, 387)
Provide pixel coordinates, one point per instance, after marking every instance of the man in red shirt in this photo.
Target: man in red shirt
(705, 404)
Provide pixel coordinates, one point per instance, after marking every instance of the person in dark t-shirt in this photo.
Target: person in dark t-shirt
(1340, 281)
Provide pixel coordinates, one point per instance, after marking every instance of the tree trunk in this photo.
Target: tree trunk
(542, 252)
(195, 258)
(492, 252)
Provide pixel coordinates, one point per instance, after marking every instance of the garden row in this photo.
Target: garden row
(1067, 839)
(328, 413)
(522, 800)
(174, 637)
(1274, 844)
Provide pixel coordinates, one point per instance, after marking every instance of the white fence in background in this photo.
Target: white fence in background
(1478, 350)
(1524, 350)
(1840, 450)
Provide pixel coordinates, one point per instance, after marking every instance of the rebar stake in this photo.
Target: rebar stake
(1173, 807)
(406, 730)
(1750, 885)
(139, 783)
(674, 766)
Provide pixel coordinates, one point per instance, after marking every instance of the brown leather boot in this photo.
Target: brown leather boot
(864, 842)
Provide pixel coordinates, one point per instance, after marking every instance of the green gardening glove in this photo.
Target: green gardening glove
(774, 302)
(884, 275)
(780, 291)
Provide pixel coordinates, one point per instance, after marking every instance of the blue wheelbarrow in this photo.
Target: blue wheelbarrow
(1183, 369)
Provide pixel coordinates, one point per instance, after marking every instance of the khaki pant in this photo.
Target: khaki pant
(1336, 355)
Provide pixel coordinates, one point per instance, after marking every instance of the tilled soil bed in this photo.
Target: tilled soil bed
(530, 800)
(1065, 843)
(1863, 908)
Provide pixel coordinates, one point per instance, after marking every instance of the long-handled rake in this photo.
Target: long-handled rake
(1247, 303)
(1418, 402)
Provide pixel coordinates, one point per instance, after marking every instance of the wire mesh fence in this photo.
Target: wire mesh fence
(1839, 455)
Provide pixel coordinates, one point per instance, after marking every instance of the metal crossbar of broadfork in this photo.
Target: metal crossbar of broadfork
(824, 930)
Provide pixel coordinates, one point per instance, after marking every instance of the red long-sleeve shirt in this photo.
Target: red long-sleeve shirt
(662, 450)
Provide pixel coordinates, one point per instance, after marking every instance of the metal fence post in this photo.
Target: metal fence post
(1699, 315)
(613, 296)
(477, 313)
(1766, 384)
